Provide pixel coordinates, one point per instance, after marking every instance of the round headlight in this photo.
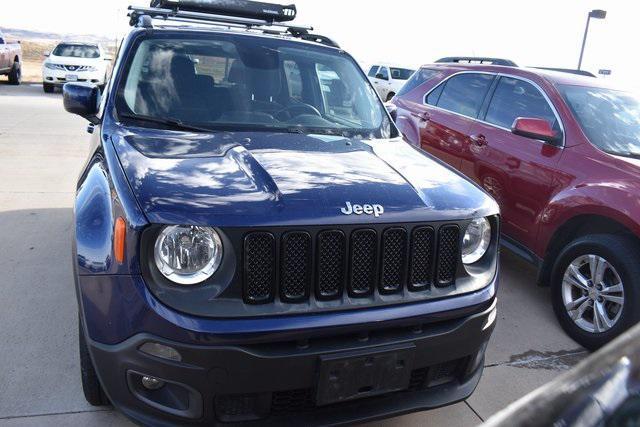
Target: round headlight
(476, 240)
(188, 255)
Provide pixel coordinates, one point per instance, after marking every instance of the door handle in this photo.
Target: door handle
(479, 140)
(424, 116)
(513, 163)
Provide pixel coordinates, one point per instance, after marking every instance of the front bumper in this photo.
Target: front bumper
(276, 382)
(59, 77)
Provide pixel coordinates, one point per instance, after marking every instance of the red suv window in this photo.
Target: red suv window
(417, 79)
(515, 98)
(464, 93)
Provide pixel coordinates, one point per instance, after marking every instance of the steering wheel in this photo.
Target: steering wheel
(301, 108)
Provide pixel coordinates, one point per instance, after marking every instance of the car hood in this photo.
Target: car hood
(69, 60)
(256, 179)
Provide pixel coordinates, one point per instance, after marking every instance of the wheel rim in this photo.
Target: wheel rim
(593, 293)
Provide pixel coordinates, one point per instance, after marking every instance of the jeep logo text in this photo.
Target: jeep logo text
(375, 210)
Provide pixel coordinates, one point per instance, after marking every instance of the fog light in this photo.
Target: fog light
(151, 383)
(160, 350)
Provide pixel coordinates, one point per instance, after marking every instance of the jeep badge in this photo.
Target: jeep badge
(375, 210)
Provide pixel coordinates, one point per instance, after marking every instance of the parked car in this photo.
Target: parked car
(254, 241)
(10, 60)
(388, 79)
(75, 62)
(603, 390)
(559, 152)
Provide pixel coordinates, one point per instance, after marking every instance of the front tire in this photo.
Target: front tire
(15, 75)
(48, 88)
(91, 387)
(596, 288)
(390, 96)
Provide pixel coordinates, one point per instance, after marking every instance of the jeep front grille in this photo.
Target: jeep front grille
(394, 257)
(259, 267)
(363, 259)
(422, 249)
(298, 265)
(448, 242)
(330, 259)
(295, 266)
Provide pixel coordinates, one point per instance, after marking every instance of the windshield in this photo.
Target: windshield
(401, 73)
(77, 51)
(609, 118)
(247, 82)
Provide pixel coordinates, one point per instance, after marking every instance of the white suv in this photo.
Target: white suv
(388, 79)
(75, 62)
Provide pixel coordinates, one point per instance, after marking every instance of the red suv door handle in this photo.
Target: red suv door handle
(512, 163)
(424, 116)
(479, 140)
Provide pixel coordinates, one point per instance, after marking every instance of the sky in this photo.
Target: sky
(414, 32)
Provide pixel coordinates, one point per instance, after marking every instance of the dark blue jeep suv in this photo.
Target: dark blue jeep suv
(254, 240)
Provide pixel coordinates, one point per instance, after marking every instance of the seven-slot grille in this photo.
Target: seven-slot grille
(359, 262)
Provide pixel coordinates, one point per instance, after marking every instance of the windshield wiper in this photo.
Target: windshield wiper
(319, 131)
(172, 123)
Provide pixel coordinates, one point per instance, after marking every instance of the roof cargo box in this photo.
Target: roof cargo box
(240, 8)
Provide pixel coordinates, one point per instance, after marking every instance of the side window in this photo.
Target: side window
(419, 77)
(294, 80)
(464, 94)
(373, 71)
(515, 98)
(384, 73)
(434, 96)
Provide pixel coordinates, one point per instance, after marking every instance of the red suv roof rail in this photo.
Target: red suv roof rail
(477, 60)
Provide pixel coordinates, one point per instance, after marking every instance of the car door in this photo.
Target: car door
(394, 81)
(382, 82)
(448, 112)
(519, 172)
(4, 54)
(372, 72)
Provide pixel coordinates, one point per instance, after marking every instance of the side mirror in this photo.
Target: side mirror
(82, 99)
(381, 76)
(534, 129)
(46, 54)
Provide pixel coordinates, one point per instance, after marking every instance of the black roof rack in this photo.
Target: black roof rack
(505, 62)
(477, 60)
(265, 17)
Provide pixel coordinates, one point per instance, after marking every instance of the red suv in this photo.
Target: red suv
(561, 155)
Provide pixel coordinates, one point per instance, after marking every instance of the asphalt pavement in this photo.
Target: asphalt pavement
(42, 150)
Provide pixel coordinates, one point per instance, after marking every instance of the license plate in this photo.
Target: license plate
(360, 374)
(71, 77)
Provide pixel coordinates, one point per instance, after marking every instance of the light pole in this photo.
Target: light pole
(595, 14)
